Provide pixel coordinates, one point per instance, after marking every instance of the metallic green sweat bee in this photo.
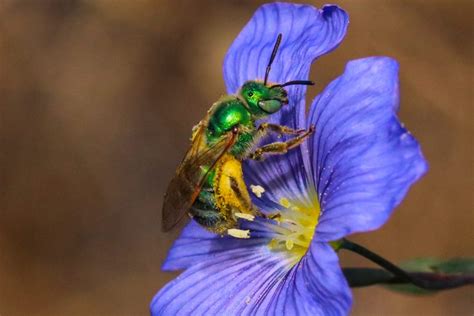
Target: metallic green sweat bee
(209, 183)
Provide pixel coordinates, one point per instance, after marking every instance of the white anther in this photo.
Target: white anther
(258, 190)
(239, 233)
(248, 217)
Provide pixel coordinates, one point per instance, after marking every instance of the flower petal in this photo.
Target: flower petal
(362, 160)
(196, 244)
(224, 279)
(307, 34)
(315, 286)
(257, 281)
(282, 176)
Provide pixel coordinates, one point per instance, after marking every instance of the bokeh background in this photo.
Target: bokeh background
(97, 102)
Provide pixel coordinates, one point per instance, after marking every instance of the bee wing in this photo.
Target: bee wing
(184, 188)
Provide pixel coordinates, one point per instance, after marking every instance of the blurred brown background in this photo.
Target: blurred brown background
(97, 101)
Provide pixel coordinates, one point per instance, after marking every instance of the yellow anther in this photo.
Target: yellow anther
(273, 244)
(285, 203)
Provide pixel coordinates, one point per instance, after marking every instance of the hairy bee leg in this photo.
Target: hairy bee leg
(239, 233)
(258, 213)
(278, 148)
(274, 216)
(280, 129)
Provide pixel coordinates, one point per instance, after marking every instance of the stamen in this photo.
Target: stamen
(258, 190)
(239, 233)
(295, 228)
(285, 203)
(248, 217)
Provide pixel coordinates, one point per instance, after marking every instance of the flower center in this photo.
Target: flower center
(295, 225)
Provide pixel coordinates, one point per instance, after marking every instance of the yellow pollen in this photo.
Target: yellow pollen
(284, 202)
(295, 228)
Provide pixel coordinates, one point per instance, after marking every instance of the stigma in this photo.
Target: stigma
(295, 226)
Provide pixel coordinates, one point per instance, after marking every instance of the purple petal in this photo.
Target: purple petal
(362, 160)
(307, 34)
(227, 278)
(281, 176)
(256, 281)
(315, 286)
(196, 244)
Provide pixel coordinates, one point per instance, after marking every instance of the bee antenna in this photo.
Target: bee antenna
(294, 82)
(272, 57)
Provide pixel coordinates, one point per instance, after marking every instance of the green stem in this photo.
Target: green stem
(427, 281)
(361, 277)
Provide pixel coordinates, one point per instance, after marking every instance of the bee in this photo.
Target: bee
(209, 184)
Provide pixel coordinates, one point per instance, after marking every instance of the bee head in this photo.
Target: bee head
(261, 99)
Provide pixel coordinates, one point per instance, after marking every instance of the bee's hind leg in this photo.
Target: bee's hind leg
(274, 216)
(257, 213)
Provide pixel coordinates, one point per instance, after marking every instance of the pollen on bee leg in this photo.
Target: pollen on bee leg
(258, 190)
(248, 217)
(239, 233)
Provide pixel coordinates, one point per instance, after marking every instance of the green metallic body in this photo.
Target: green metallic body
(227, 113)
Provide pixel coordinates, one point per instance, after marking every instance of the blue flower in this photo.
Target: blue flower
(348, 177)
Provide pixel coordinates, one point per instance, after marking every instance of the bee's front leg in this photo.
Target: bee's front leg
(280, 129)
(278, 148)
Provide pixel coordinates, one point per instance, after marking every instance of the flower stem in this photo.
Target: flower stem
(427, 281)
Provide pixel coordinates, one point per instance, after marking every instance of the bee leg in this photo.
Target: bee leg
(255, 212)
(280, 147)
(280, 129)
(275, 216)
